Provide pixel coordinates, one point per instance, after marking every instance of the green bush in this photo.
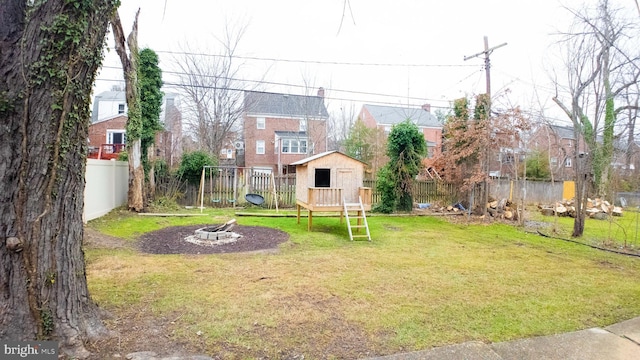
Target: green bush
(192, 163)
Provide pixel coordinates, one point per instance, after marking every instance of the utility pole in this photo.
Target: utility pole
(487, 62)
(485, 162)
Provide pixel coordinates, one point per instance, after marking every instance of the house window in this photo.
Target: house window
(567, 162)
(260, 147)
(323, 178)
(261, 123)
(294, 146)
(387, 130)
(116, 137)
(226, 153)
(303, 125)
(554, 161)
(120, 108)
(507, 158)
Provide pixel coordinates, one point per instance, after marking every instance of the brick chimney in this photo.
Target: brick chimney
(426, 107)
(321, 92)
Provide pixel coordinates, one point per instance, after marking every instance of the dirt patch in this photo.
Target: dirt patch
(94, 240)
(171, 241)
(134, 331)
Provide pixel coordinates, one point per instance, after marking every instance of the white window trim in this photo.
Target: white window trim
(260, 144)
(567, 162)
(288, 142)
(261, 123)
(110, 133)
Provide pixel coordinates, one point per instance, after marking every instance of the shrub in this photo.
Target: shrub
(192, 163)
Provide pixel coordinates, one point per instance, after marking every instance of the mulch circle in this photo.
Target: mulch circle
(171, 240)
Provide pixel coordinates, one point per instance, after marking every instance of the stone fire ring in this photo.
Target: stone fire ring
(205, 237)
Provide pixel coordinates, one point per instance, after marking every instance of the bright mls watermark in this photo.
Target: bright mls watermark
(41, 350)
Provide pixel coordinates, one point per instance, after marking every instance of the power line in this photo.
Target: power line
(256, 58)
(288, 85)
(415, 105)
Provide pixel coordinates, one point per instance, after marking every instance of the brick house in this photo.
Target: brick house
(109, 120)
(626, 158)
(559, 143)
(280, 129)
(385, 117)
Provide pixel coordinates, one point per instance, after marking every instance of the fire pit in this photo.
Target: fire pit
(214, 235)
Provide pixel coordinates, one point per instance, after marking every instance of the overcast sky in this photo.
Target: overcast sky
(411, 49)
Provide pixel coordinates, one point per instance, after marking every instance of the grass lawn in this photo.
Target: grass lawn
(422, 282)
(615, 232)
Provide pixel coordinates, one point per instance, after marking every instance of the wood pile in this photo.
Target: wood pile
(595, 208)
(503, 209)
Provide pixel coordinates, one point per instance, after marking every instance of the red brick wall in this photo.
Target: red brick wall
(98, 131)
(317, 130)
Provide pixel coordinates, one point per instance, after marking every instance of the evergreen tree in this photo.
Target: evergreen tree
(406, 148)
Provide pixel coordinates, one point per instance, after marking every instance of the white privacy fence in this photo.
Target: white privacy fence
(107, 183)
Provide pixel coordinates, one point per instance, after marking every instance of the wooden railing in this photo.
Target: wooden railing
(325, 196)
(365, 194)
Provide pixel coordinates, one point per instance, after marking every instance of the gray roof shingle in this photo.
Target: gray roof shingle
(563, 132)
(392, 115)
(284, 105)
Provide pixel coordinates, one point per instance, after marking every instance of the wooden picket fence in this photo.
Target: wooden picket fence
(227, 187)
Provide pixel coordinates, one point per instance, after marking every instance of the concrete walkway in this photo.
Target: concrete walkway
(616, 342)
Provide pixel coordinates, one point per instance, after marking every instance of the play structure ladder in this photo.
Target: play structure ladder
(360, 216)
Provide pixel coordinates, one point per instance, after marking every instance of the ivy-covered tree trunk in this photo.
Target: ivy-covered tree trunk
(135, 199)
(49, 54)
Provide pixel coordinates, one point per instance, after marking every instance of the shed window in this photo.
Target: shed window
(323, 178)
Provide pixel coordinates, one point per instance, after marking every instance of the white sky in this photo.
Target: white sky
(399, 32)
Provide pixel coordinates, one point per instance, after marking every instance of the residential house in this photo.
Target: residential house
(107, 131)
(385, 117)
(626, 158)
(558, 142)
(280, 129)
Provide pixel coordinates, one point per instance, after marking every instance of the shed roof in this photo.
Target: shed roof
(284, 105)
(318, 156)
(392, 115)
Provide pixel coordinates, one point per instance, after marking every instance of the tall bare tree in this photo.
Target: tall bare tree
(212, 93)
(599, 65)
(49, 54)
(339, 125)
(129, 62)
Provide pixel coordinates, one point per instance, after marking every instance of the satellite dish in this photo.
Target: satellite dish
(238, 145)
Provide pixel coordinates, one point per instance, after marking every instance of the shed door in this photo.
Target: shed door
(345, 180)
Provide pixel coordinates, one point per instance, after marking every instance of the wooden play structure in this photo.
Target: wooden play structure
(333, 182)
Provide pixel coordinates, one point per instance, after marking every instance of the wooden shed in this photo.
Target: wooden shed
(328, 181)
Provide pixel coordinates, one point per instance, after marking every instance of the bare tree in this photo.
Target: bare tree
(129, 62)
(597, 65)
(339, 126)
(212, 93)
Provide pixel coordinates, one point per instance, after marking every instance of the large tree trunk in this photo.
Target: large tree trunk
(48, 62)
(135, 200)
